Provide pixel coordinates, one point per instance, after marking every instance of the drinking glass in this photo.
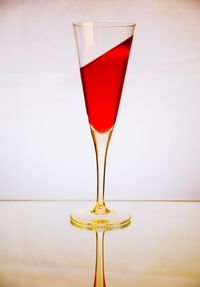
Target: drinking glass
(103, 52)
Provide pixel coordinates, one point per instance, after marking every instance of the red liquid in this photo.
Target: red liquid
(102, 81)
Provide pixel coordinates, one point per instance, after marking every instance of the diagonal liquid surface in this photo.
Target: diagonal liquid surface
(102, 81)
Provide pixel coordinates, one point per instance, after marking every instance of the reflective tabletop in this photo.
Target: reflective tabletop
(39, 246)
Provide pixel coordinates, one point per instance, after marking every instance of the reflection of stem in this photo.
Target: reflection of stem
(101, 143)
(99, 280)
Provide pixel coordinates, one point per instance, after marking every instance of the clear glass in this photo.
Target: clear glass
(103, 52)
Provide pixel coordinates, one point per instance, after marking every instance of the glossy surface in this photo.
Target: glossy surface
(39, 247)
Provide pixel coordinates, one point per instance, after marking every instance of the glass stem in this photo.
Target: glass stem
(101, 144)
(99, 280)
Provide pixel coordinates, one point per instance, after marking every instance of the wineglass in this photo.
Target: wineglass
(103, 52)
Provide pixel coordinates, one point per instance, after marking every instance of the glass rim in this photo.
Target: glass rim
(103, 24)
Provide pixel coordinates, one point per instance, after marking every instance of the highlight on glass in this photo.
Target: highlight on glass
(103, 52)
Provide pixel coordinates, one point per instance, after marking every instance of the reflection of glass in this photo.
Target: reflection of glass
(99, 278)
(103, 50)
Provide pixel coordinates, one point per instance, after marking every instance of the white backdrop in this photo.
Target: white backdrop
(46, 150)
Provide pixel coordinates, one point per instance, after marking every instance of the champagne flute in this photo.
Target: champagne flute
(103, 52)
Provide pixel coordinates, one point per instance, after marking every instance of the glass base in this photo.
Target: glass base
(87, 219)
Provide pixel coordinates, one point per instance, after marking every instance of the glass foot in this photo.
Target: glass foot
(87, 219)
